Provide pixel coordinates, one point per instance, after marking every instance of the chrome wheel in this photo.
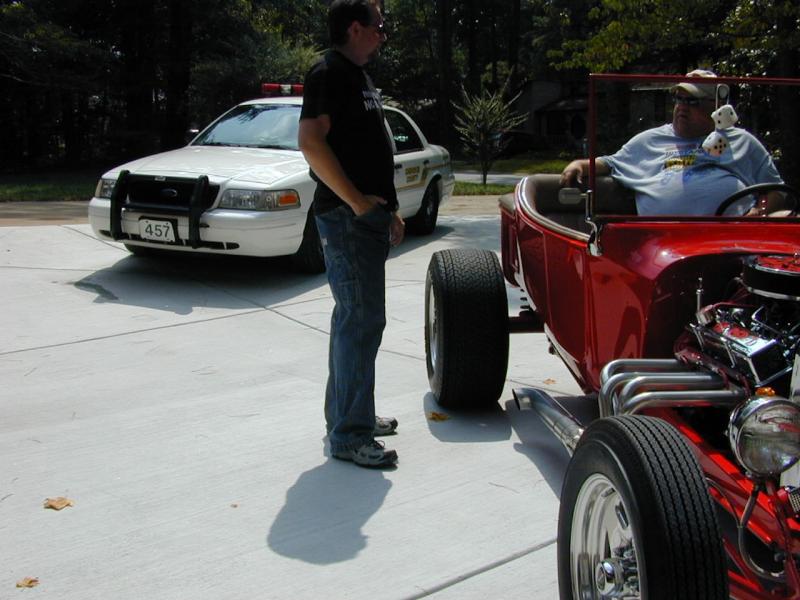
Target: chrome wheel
(603, 548)
(433, 330)
(430, 205)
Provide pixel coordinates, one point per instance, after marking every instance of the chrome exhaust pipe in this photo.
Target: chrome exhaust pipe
(558, 419)
(686, 398)
(640, 364)
(653, 382)
(618, 372)
(629, 386)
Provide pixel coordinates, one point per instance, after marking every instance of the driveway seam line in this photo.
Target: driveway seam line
(481, 570)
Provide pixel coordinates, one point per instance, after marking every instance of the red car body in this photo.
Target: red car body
(626, 290)
(613, 290)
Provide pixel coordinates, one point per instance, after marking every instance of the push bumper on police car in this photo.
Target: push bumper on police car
(184, 214)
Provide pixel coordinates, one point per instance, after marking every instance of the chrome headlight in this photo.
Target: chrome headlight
(259, 199)
(764, 434)
(104, 188)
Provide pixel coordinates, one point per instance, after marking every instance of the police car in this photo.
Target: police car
(242, 187)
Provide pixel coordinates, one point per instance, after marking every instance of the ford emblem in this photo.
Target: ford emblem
(169, 193)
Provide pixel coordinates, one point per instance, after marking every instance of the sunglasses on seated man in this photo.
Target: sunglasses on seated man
(687, 100)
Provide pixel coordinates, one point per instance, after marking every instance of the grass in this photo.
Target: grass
(522, 164)
(464, 188)
(55, 185)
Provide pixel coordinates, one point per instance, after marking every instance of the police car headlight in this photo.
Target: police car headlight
(764, 434)
(259, 199)
(104, 188)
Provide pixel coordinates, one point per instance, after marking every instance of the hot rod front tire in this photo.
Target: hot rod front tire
(636, 519)
(466, 328)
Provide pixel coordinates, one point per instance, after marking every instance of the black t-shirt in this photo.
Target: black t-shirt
(358, 137)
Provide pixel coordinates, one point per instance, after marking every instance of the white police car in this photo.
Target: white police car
(242, 187)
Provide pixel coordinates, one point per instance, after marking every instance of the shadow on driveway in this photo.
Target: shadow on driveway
(325, 510)
(498, 423)
(178, 283)
(483, 426)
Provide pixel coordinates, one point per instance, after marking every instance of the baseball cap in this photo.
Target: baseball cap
(706, 91)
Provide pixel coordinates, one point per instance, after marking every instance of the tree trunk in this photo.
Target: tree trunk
(492, 16)
(445, 72)
(473, 74)
(178, 69)
(513, 45)
(136, 21)
(70, 129)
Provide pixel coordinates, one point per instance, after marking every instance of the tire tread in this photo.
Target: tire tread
(684, 539)
(473, 311)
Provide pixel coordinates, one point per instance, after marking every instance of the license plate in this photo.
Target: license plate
(156, 231)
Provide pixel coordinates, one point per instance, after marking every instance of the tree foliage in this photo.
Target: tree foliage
(91, 80)
(482, 119)
(745, 37)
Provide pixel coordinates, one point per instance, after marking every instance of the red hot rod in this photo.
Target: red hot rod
(685, 332)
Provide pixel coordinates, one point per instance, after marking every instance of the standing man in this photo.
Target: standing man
(345, 141)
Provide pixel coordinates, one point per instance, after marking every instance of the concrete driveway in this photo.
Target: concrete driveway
(178, 404)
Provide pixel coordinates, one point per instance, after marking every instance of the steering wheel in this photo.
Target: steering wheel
(761, 189)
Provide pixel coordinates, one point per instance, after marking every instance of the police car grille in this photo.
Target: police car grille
(175, 193)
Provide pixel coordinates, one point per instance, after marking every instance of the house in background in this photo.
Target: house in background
(557, 117)
(558, 114)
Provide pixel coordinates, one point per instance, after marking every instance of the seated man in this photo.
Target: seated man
(668, 168)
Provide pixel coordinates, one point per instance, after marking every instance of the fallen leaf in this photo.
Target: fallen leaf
(436, 416)
(58, 503)
(549, 381)
(234, 506)
(28, 582)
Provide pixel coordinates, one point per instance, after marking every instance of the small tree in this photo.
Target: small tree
(481, 120)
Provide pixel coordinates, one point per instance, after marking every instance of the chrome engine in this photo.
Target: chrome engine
(755, 337)
(734, 349)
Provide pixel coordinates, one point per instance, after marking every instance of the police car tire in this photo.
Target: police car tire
(424, 221)
(309, 257)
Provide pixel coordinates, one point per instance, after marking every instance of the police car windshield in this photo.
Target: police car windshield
(254, 126)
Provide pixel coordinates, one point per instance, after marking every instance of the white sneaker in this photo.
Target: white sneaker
(372, 454)
(385, 426)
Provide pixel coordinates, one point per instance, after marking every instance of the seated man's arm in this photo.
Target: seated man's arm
(575, 172)
(772, 204)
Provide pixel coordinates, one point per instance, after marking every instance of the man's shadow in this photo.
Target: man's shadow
(325, 511)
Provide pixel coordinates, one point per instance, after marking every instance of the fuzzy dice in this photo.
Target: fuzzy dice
(724, 117)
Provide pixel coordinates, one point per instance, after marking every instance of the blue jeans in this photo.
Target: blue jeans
(355, 255)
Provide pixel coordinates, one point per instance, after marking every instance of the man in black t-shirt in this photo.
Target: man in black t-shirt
(345, 141)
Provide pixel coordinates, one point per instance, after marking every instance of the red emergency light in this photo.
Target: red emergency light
(282, 89)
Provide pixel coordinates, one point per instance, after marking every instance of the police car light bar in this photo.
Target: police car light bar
(282, 89)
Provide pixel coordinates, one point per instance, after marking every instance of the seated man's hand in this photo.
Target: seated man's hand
(572, 175)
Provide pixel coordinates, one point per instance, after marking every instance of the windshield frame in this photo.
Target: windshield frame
(596, 219)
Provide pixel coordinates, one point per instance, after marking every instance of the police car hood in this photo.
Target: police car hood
(220, 163)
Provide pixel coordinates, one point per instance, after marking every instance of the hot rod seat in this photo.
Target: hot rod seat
(541, 195)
